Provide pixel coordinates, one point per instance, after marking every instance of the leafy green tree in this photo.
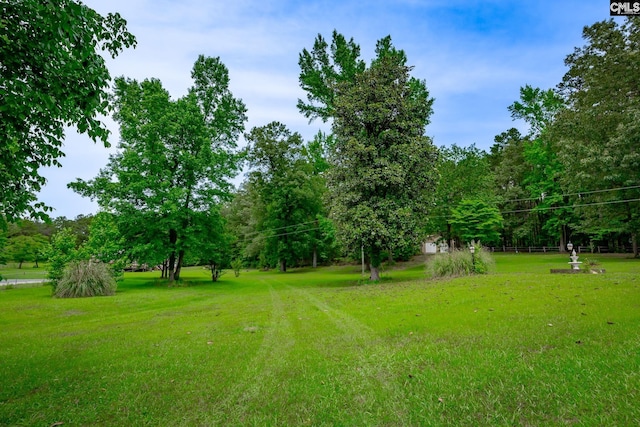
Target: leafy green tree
(214, 248)
(25, 241)
(26, 227)
(175, 160)
(477, 220)
(323, 241)
(599, 130)
(21, 248)
(61, 251)
(316, 152)
(539, 108)
(80, 226)
(247, 216)
(510, 169)
(326, 68)
(382, 176)
(465, 173)
(283, 180)
(52, 76)
(322, 68)
(236, 265)
(243, 216)
(105, 243)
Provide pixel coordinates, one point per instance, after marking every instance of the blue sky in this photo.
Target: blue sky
(474, 56)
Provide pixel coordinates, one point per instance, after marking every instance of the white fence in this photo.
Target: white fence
(551, 249)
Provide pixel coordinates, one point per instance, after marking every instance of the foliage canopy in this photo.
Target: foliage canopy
(51, 76)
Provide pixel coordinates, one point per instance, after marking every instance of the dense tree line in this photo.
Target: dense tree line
(575, 174)
(28, 240)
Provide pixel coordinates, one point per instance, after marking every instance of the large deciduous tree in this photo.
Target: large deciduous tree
(539, 108)
(283, 180)
(510, 168)
(174, 163)
(383, 174)
(51, 76)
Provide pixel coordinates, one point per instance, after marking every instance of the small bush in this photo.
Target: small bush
(236, 264)
(461, 263)
(85, 279)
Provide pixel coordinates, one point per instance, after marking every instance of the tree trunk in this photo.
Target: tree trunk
(171, 266)
(634, 244)
(375, 264)
(315, 245)
(563, 238)
(173, 238)
(375, 273)
(315, 257)
(179, 265)
(19, 265)
(214, 271)
(283, 265)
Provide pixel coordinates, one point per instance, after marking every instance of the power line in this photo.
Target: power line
(550, 208)
(293, 232)
(265, 234)
(582, 193)
(537, 209)
(278, 228)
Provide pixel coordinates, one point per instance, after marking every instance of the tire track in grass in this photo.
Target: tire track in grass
(374, 388)
(260, 375)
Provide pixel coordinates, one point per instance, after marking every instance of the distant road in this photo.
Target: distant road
(6, 282)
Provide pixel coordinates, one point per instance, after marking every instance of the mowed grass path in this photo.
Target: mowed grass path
(517, 347)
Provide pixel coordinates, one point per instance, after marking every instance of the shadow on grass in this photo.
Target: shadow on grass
(140, 283)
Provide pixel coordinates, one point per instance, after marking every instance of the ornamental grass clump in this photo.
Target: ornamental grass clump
(85, 279)
(461, 263)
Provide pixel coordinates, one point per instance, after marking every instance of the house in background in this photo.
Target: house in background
(431, 245)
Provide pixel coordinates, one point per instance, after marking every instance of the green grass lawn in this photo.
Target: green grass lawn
(517, 347)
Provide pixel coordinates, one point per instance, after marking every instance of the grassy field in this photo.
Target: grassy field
(517, 347)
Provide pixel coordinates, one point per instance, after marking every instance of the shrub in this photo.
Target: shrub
(484, 260)
(461, 263)
(236, 264)
(85, 279)
(216, 271)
